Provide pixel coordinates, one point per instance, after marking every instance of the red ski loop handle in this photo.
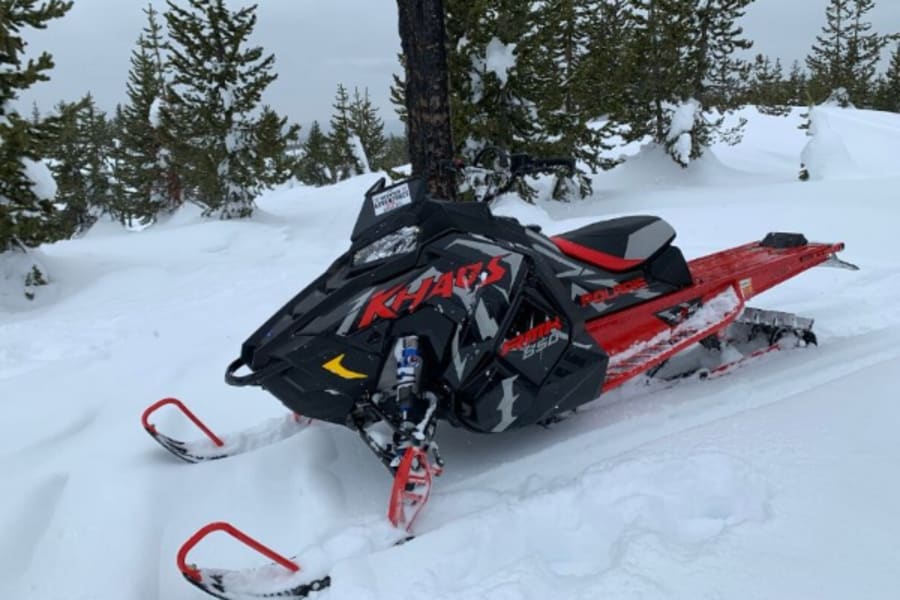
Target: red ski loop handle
(194, 573)
(405, 483)
(145, 419)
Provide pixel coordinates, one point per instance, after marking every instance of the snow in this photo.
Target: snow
(359, 152)
(500, 59)
(42, 183)
(776, 481)
(826, 155)
(155, 116)
(679, 136)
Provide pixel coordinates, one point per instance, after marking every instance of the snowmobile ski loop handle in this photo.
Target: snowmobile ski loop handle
(194, 573)
(255, 378)
(145, 419)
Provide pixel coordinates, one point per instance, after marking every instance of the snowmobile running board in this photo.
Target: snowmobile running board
(638, 339)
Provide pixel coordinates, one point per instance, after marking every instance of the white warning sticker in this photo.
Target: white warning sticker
(392, 199)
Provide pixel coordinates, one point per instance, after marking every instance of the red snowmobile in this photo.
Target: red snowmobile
(443, 312)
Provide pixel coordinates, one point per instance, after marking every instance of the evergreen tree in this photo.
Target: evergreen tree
(272, 140)
(604, 85)
(343, 160)
(828, 61)
(766, 87)
(863, 53)
(314, 167)
(25, 205)
(562, 71)
(846, 53)
(396, 153)
(217, 84)
(70, 165)
(95, 131)
(398, 92)
(797, 85)
(368, 127)
(492, 101)
(683, 74)
(887, 95)
(144, 170)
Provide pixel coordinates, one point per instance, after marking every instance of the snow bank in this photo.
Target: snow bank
(24, 281)
(826, 156)
(698, 490)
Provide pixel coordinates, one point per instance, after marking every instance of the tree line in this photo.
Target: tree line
(193, 129)
(580, 77)
(552, 77)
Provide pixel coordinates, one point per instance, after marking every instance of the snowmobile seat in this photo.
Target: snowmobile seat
(617, 245)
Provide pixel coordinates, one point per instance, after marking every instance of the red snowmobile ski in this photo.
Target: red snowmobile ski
(442, 312)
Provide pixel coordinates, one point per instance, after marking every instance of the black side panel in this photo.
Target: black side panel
(670, 267)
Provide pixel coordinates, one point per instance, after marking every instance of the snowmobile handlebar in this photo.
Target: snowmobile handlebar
(508, 168)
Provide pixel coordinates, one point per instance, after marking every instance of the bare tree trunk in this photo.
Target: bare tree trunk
(430, 136)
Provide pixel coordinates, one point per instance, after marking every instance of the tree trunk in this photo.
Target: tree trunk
(429, 132)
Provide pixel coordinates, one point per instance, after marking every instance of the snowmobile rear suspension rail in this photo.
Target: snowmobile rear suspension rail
(195, 574)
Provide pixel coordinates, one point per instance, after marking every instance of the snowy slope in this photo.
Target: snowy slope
(777, 481)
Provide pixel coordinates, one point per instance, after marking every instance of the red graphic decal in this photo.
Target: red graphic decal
(388, 304)
(531, 336)
(606, 294)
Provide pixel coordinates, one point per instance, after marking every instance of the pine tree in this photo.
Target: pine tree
(144, 171)
(828, 61)
(604, 85)
(314, 167)
(684, 76)
(846, 53)
(396, 152)
(25, 208)
(97, 136)
(863, 53)
(887, 95)
(272, 140)
(398, 92)
(563, 84)
(342, 158)
(492, 99)
(766, 87)
(368, 127)
(217, 83)
(70, 165)
(797, 86)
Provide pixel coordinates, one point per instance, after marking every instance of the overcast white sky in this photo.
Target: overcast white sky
(319, 43)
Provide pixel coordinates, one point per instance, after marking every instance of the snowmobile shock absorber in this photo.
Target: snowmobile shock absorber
(408, 369)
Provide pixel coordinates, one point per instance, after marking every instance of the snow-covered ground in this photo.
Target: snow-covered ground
(778, 481)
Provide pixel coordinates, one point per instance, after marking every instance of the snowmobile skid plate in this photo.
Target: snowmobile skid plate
(215, 447)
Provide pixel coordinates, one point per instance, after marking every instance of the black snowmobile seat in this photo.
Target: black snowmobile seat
(617, 245)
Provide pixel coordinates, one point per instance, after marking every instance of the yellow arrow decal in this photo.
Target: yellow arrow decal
(334, 366)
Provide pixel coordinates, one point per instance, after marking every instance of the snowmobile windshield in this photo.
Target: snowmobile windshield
(402, 241)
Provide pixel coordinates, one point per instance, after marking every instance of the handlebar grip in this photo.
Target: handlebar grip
(547, 163)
